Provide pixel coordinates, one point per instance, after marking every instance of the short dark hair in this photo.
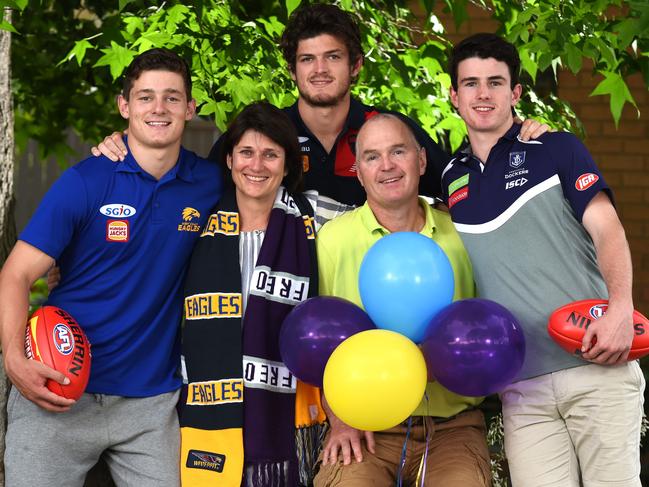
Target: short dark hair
(486, 46)
(313, 20)
(158, 59)
(272, 122)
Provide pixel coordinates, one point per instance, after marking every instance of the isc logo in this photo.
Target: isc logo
(117, 210)
(518, 182)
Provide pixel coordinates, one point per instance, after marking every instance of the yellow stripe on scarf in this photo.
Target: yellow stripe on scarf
(308, 406)
(211, 457)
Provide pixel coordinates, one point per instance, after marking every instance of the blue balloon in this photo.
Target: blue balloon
(405, 279)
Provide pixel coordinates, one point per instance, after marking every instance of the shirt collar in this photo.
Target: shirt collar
(371, 223)
(183, 169)
(510, 135)
(355, 116)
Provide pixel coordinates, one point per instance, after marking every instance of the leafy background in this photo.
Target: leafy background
(68, 56)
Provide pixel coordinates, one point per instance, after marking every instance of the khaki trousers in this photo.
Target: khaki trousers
(457, 456)
(582, 422)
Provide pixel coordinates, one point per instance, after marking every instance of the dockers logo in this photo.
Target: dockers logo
(516, 159)
(223, 222)
(585, 181)
(213, 305)
(188, 225)
(117, 231)
(215, 392)
(63, 339)
(205, 460)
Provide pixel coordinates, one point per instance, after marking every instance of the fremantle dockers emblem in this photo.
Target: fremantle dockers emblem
(516, 159)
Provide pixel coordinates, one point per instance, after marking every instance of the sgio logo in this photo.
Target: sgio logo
(117, 210)
(517, 182)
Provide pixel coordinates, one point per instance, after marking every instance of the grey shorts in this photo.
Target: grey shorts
(139, 437)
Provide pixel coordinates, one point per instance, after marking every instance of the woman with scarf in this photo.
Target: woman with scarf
(245, 419)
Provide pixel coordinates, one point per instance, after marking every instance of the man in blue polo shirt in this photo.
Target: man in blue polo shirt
(538, 222)
(121, 234)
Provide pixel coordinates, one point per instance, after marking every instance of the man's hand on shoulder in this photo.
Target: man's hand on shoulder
(31, 376)
(613, 335)
(112, 146)
(532, 129)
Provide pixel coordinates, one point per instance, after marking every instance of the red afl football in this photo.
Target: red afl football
(54, 338)
(568, 324)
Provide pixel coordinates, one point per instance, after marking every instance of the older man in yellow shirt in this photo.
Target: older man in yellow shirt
(389, 164)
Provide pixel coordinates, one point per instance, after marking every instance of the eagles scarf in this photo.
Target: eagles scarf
(254, 420)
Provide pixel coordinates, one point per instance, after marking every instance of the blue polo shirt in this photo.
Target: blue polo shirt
(122, 240)
(519, 215)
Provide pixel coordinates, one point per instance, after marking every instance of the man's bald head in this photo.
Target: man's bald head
(389, 162)
(385, 117)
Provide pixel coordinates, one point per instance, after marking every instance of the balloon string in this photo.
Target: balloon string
(402, 461)
(421, 473)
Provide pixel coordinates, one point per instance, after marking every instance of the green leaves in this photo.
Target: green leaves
(574, 57)
(14, 4)
(78, 52)
(4, 25)
(232, 49)
(609, 35)
(613, 85)
(291, 5)
(116, 57)
(124, 3)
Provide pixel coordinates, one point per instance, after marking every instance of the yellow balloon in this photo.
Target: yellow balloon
(375, 379)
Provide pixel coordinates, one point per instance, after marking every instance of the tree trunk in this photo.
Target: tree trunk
(7, 223)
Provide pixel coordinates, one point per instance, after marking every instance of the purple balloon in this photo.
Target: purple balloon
(313, 329)
(474, 347)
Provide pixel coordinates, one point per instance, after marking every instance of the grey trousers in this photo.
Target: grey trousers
(140, 438)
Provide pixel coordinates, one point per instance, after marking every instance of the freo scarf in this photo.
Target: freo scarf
(256, 420)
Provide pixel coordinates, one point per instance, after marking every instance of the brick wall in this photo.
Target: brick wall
(622, 153)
